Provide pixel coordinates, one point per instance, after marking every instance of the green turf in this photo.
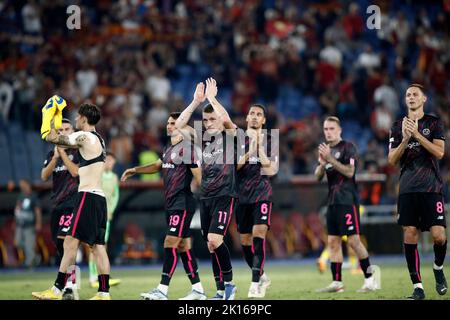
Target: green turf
(288, 282)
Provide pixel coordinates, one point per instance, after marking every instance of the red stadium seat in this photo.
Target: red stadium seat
(317, 232)
(298, 241)
(276, 237)
(136, 246)
(10, 255)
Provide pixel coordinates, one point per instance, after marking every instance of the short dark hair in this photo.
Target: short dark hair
(208, 109)
(417, 85)
(91, 112)
(175, 115)
(257, 105)
(65, 120)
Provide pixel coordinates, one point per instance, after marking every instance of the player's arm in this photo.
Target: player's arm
(347, 170)
(148, 168)
(436, 148)
(320, 169)
(269, 167)
(72, 167)
(251, 152)
(319, 172)
(396, 148)
(49, 166)
(182, 122)
(74, 140)
(197, 173)
(211, 92)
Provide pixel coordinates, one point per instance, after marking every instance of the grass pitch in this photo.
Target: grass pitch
(291, 280)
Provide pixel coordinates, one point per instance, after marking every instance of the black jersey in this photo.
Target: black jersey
(341, 189)
(177, 161)
(253, 186)
(64, 185)
(419, 168)
(219, 166)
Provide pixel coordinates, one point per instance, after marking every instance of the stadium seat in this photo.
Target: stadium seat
(296, 228)
(19, 152)
(5, 161)
(276, 237)
(316, 231)
(36, 154)
(136, 247)
(10, 256)
(45, 246)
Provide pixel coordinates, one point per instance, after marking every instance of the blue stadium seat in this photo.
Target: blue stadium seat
(36, 153)
(5, 160)
(19, 152)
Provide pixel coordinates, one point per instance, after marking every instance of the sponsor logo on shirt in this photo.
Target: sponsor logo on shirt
(60, 168)
(412, 145)
(168, 166)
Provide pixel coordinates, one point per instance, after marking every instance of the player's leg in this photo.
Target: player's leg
(411, 238)
(219, 249)
(70, 252)
(206, 221)
(433, 219)
(334, 244)
(96, 232)
(244, 221)
(104, 269)
(247, 247)
(257, 287)
(175, 225)
(440, 249)
(261, 219)
(222, 211)
(191, 268)
(409, 210)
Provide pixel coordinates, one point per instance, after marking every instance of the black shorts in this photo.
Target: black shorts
(179, 223)
(60, 218)
(343, 220)
(88, 223)
(215, 214)
(250, 214)
(421, 210)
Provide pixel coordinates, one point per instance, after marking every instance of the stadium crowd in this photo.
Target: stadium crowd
(140, 60)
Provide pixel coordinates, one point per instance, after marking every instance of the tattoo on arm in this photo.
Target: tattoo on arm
(63, 140)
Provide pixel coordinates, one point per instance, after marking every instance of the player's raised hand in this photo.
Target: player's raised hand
(56, 152)
(325, 152)
(199, 94)
(211, 88)
(412, 126)
(321, 160)
(127, 174)
(405, 131)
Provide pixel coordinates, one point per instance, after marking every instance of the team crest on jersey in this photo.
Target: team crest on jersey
(173, 155)
(70, 157)
(337, 155)
(426, 131)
